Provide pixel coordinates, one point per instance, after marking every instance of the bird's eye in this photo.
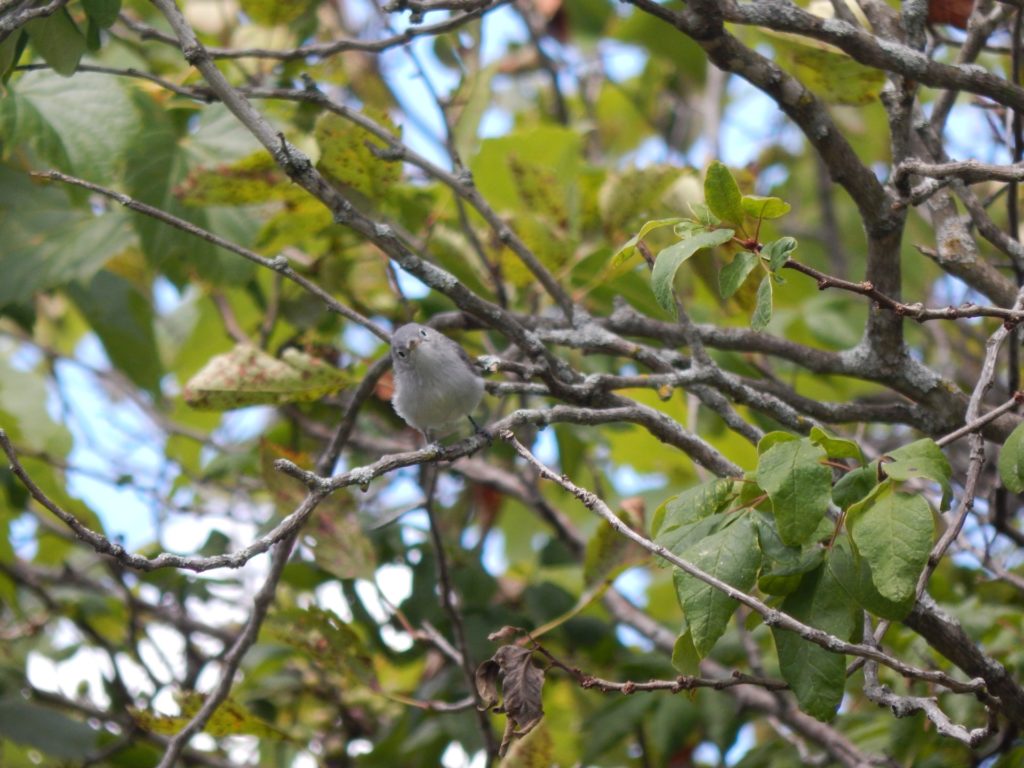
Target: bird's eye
(401, 354)
(423, 332)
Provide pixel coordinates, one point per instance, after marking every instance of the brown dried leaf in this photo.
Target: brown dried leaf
(487, 683)
(521, 685)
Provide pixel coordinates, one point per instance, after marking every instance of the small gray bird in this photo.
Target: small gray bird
(436, 383)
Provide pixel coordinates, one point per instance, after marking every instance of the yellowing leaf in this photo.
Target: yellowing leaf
(253, 179)
(347, 154)
(248, 376)
(229, 719)
(272, 13)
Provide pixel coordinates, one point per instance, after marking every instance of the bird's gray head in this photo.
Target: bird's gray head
(414, 345)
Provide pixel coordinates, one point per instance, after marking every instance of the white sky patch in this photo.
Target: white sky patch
(163, 652)
(621, 61)
(164, 702)
(410, 285)
(360, 340)
(209, 677)
(745, 740)
(166, 296)
(395, 582)
(329, 597)
(632, 639)
(395, 639)
(358, 747)
(203, 742)
(633, 583)
(628, 481)
(371, 602)
(707, 753)
(134, 675)
(113, 438)
(243, 424)
(188, 531)
(22, 534)
(545, 447)
(495, 122)
(455, 756)
(84, 671)
(493, 556)
(243, 750)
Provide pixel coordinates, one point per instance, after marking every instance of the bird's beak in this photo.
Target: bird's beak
(412, 344)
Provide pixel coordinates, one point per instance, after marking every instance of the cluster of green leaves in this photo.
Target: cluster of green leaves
(729, 219)
(57, 38)
(772, 529)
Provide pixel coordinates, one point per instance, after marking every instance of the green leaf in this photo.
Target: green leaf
(341, 548)
(1011, 461)
(731, 555)
(722, 195)
(763, 309)
(816, 675)
(58, 40)
(10, 49)
(81, 126)
(47, 243)
(836, 447)
(23, 413)
(685, 658)
(705, 218)
(627, 251)
(530, 170)
(854, 486)
(693, 518)
(894, 533)
(474, 95)
(773, 438)
(324, 640)
(123, 319)
(922, 458)
(781, 564)
(670, 259)
(854, 574)
(45, 729)
(759, 207)
(799, 486)
(777, 252)
(168, 143)
(733, 274)
(103, 13)
(693, 504)
(608, 553)
(616, 720)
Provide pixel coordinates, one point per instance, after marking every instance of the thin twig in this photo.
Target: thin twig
(448, 605)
